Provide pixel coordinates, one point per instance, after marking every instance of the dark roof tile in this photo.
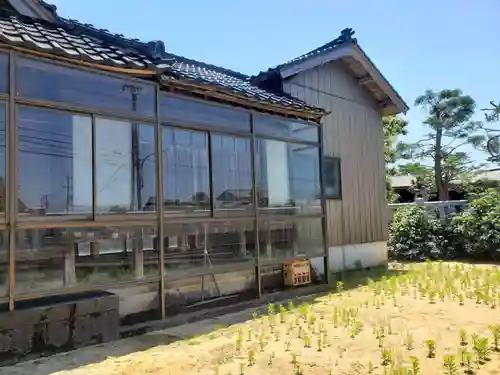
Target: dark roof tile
(85, 42)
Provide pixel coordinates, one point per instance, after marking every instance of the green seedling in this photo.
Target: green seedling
(463, 337)
(450, 367)
(291, 306)
(288, 346)
(251, 358)
(282, 314)
(409, 342)
(239, 340)
(242, 369)
(300, 332)
(482, 349)
(262, 342)
(249, 334)
(462, 351)
(295, 359)
(469, 363)
(371, 368)
(495, 331)
(307, 341)
(431, 348)
(271, 309)
(381, 340)
(340, 287)
(415, 365)
(270, 361)
(386, 357)
(320, 343)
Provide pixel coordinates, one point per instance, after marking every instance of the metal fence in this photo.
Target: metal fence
(440, 209)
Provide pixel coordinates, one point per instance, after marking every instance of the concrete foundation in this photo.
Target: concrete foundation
(51, 324)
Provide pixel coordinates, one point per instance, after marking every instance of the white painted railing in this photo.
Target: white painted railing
(441, 209)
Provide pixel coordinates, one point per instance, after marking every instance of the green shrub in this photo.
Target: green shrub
(414, 234)
(478, 227)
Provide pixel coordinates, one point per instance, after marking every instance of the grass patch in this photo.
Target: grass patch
(432, 318)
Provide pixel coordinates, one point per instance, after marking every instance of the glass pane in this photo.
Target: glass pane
(4, 73)
(53, 259)
(206, 245)
(184, 111)
(304, 178)
(55, 162)
(39, 80)
(125, 166)
(290, 239)
(2, 160)
(186, 173)
(4, 263)
(281, 127)
(331, 170)
(232, 174)
(287, 177)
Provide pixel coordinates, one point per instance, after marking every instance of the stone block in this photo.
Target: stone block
(58, 334)
(22, 340)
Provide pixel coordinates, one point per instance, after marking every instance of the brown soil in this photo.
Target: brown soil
(342, 330)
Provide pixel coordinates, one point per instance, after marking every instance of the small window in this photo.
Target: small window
(332, 185)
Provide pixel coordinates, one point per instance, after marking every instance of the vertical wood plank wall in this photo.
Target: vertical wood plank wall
(352, 131)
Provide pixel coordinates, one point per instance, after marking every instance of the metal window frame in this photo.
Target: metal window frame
(126, 79)
(159, 219)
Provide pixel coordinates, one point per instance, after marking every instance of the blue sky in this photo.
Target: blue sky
(417, 45)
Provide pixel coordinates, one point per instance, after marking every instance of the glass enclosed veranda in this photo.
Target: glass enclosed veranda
(112, 182)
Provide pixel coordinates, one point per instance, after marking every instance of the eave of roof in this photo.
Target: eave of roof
(85, 44)
(344, 47)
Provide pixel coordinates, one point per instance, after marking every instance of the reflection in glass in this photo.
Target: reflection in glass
(39, 80)
(232, 173)
(2, 160)
(287, 177)
(55, 162)
(186, 173)
(4, 73)
(205, 245)
(54, 259)
(125, 166)
(4, 263)
(291, 239)
(183, 111)
(280, 127)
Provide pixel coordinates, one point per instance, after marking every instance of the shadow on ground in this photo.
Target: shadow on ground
(203, 323)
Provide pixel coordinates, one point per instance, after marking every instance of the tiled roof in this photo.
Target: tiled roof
(54, 39)
(233, 81)
(85, 42)
(346, 36)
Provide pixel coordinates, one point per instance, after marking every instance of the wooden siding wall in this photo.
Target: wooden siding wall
(352, 131)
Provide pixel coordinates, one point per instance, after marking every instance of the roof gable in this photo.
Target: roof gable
(344, 48)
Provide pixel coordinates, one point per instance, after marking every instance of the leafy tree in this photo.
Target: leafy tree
(423, 174)
(394, 127)
(492, 114)
(449, 118)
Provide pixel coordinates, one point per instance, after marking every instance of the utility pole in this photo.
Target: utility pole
(136, 187)
(68, 187)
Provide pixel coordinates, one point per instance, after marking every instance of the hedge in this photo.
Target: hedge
(472, 234)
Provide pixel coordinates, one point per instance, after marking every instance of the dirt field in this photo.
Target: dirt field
(425, 319)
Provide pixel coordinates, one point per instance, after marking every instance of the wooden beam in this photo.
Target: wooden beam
(365, 80)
